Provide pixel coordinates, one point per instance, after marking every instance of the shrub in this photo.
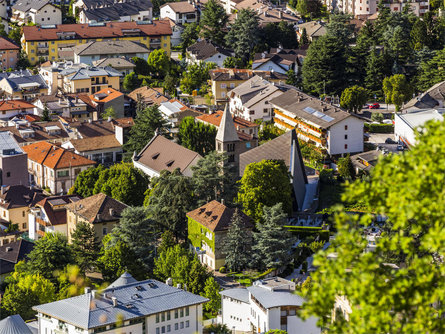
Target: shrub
(377, 117)
(222, 270)
(327, 176)
(379, 128)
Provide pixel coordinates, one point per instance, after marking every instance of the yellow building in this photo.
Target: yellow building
(49, 41)
(223, 80)
(99, 211)
(88, 80)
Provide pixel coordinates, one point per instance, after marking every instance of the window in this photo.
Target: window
(176, 314)
(346, 146)
(182, 325)
(223, 94)
(251, 112)
(346, 136)
(24, 225)
(23, 213)
(168, 315)
(104, 231)
(231, 158)
(176, 326)
(157, 318)
(230, 147)
(8, 174)
(346, 127)
(266, 110)
(248, 145)
(232, 85)
(187, 311)
(63, 173)
(163, 317)
(182, 313)
(187, 324)
(158, 331)
(223, 85)
(163, 329)
(169, 328)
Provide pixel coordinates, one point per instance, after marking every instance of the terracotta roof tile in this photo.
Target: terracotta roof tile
(6, 44)
(95, 143)
(57, 216)
(105, 95)
(14, 105)
(149, 95)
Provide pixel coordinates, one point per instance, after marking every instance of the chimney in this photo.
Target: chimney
(222, 201)
(93, 293)
(114, 299)
(109, 118)
(280, 14)
(178, 285)
(111, 212)
(87, 289)
(169, 281)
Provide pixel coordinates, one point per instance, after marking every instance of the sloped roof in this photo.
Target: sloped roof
(313, 28)
(113, 10)
(109, 48)
(215, 119)
(149, 95)
(254, 90)
(15, 81)
(106, 95)
(235, 74)
(217, 217)
(6, 105)
(87, 73)
(205, 49)
(270, 299)
(96, 208)
(12, 253)
(180, 7)
(54, 207)
(241, 294)
(14, 324)
(114, 62)
(19, 196)
(6, 44)
(39, 132)
(428, 99)
(123, 280)
(26, 5)
(227, 131)
(95, 143)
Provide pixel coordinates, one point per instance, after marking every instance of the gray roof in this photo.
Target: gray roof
(429, 99)
(239, 294)
(115, 62)
(254, 90)
(14, 324)
(13, 74)
(89, 72)
(110, 10)
(134, 300)
(205, 49)
(227, 131)
(125, 279)
(26, 5)
(110, 48)
(8, 144)
(275, 298)
(15, 81)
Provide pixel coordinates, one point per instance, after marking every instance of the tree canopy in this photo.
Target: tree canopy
(397, 90)
(85, 246)
(197, 136)
(213, 21)
(353, 98)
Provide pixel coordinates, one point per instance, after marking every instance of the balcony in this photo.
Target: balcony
(155, 41)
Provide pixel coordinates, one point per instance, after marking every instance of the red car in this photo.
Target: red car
(374, 106)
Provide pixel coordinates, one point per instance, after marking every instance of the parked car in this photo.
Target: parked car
(374, 106)
(387, 121)
(390, 141)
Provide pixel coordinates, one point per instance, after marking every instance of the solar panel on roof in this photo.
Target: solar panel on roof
(309, 110)
(318, 114)
(327, 118)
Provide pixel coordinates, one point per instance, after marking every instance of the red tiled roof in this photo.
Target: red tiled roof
(6, 44)
(215, 119)
(110, 92)
(14, 105)
(109, 30)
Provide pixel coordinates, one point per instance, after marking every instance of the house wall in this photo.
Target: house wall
(220, 89)
(235, 314)
(8, 57)
(17, 216)
(8, 239)
(48, 14)
(336, 136)
(88, 59)
(258, 317)
(269, 66)
(147, 170)
(402, 131)
(261, 110)
(14, 170)
(100, 229)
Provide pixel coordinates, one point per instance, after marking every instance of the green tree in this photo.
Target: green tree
(233, 62)
(159, 62)
(131, 82)
(304, 40)
(273, 241)
(432, 71)
(164, 265)
(237, 245)
(345, 167)
(412, 238)
(170, 83)
(265, 183)
(340, 28)
(124, 183)
(109, 112)
(50, 255)
(292, 78)
(71, 282)
(218, 329)
(213, 21)
(85, 181)
(167, 241)
(45, 114)
(142, 67)
(85, 246)
(138, 233)
(244, 34)
(287, 36)
(376, 71)
(196, 136)
(145, 125)
(22, 62)
(170, 198)
(189, 36)
(211, 291)
(276, 331)
(397, 90)
(419, 35)
(25, 291)
(196, 76)
(213, 179)
(15, 33)
(2, 29)
(353, 98)
(302, 7)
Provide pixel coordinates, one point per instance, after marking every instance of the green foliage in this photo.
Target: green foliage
(340, 28)
(353, 98)
(315, 246)
(196, 76)
(302, 232)
(304, 40)
(211, 291)
(167, 241)
(218, 329)
(244, 34)
(159, 62)
(312, 155)
(327, 176)
(376, 71)
(189, 36)
(85, 181)
(142, 67)
(432, 71)
(85, 246)
(265, 183)
(131, 82)
(269, 131)
(109, 112)
(377, 117)
(22, 62)
(273, 241)
(24, 291)
(145, 124)
(276, 331)
(45, 114)
(397, 90)
(237, 245)
(412, 238)
(15, 33)
(379, 128)
(345, 167)
(71, 282)
(213, 21)
(233, 62)
(292, 78)
(196, 136)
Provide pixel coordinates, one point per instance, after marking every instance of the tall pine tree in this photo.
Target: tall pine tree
(213, 21)
(85, 246)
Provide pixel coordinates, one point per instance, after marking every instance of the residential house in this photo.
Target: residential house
(4, 10)
(163, 154)
(364, 162)
(55, 168)
(320, 123)
(8, 233)
(108, 98)
(286, 148)
(361, 9)
(49, 216)
(149, 95)
(50, 71)
(434, 97)
(99, 211)
(250, 100)
(120, 64)
(11, 108)
(26, 133)
(177, 30)
(206, 51)
(314, 30)
(241, 125)
(265, 12)
(279, 60)
(10, 254)
(9, 52)
(15, 324)
(182, 12)
(89, 11)
(49, 41)
(88, 80)
(222, 80)
(207, 230)
(133, 306)
(74, 106)
(23, 86)
(268, 304)
(174, 111)
(231, 141)
(91, 51)
(41, 12)
(14, 205)
(13, 161)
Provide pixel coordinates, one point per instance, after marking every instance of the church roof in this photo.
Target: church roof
(227, 131)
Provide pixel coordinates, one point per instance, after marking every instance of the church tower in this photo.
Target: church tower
(227, 139)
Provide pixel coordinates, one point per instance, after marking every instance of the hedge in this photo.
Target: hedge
(379, 128)
(304, 231)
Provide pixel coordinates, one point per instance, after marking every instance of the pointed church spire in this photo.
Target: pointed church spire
(227, 131)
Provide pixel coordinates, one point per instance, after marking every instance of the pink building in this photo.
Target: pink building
(9, 54)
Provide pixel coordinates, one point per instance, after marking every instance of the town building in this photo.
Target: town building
(177, 30)
(49, 216)
(107, 98)
(182, 12)
(48, 41)
(206, 51)
(126, 305)
(92, 51)
(50, 73)
(74, 106)
(364, 162)
(26, 132)
(175, 111)
(23, 86)
(39, 12)
(54, 168)
(322, 124)
(10, 254)
(88, 80)
(122, 65)
(268, 304)
(266, 12)
(207, 230)
(230, 141)
(279, 60)
(99, 211)
(250, 100)
(223, 80)
(149, 96)
(15, 324)
(287, 149)
(13, 161)
(9, 52)
(241, 125)
(163, 154)
(11, 108)
(314, 30)
(89, 11)
(358, 8)
(434, 97)
(8, 233)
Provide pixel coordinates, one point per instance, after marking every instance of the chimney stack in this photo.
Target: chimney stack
(114, 300)
(178, 285)
(222, 201)
(87, 289)
(93, 294)
(169, 281)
